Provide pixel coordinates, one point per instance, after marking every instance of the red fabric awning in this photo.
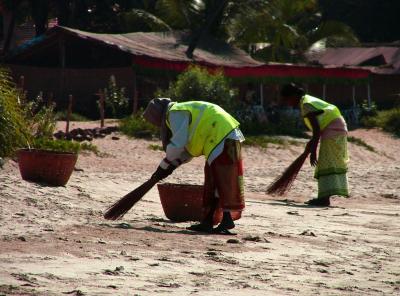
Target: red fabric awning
(277, 71)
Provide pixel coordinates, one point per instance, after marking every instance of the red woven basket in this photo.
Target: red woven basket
(42, 166)
(184, 202)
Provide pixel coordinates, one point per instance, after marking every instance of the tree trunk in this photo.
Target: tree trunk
(199, 34)
(63, 12)
(9, 26)
(40, 11)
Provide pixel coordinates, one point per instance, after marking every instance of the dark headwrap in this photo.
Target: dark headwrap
(156, 113)
(292, 89)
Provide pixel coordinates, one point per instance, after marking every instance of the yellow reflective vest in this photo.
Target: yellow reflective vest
(330, 112)
(209, 124)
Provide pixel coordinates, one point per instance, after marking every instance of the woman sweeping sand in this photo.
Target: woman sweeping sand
(328, 126)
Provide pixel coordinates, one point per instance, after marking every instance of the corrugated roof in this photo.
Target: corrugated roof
(380, 60)
(166, 52)
(169, 46)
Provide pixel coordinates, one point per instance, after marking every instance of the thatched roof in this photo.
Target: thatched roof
(379, 60)
(163, 53)
(169, 46)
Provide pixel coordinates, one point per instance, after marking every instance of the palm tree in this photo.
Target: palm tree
(289, 28)
(199, 17)
(40, 13)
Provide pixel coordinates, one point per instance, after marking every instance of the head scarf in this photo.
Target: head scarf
(156, 113)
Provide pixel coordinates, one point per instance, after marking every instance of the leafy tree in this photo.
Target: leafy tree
(197, 84)
(289, 28)
(199, 17)
(14, 131)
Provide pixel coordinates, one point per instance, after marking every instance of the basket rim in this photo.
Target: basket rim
(45, 151)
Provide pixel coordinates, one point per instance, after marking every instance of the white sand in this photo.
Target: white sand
(54, 240)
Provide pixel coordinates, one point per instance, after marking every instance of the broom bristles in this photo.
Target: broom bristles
(283, 184)
(122, 206)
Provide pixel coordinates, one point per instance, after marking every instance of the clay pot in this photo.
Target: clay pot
(184, 202)
(43, 166)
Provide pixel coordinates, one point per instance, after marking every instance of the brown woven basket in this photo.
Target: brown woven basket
(42, 166)
(183, 202)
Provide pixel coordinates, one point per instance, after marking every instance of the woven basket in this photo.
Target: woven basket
(43, 166)
(184, 202)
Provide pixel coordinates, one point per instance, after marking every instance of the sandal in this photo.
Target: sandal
(200, 228)
(319, 202)
(222, 230)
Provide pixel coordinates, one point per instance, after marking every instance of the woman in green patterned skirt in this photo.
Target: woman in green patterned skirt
(329, 128)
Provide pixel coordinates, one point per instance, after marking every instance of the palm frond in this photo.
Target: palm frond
(332, 29)
(139, 20)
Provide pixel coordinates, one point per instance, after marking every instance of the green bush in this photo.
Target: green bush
(136, 126)
(115, 99)
(14, 131)
(368, 109)
(388, 120)
(63, 145)
(56, 145)
(287, 126)
(197, 84)
(40, 117)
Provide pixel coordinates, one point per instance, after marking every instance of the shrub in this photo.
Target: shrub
(56, 145)
(388, 120)
(367, 109)
(40, 117)
(14, 131)
(197, 84)
(137, 126)
(63, 145)
(115, 98)
(287, 125)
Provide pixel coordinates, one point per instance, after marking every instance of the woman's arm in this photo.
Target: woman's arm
(176, 153)
(312, 145)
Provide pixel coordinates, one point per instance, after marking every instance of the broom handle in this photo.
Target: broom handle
(146, 186)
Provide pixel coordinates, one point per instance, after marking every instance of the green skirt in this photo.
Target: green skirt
(331, 170)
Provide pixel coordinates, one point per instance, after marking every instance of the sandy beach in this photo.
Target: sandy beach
(54, 240)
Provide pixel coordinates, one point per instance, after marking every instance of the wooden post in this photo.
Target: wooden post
(62, 62)
(69, 111)
(135, 94)
(101, 107)
(354, 96)
(369, 95)
(262, 95)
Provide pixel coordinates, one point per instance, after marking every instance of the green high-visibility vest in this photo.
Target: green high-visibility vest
(209, 124)
(331, 112)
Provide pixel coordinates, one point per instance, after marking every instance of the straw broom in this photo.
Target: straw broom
(122, 206)
(283, 184)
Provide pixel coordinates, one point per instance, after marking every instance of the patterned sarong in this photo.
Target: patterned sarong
(331, 170)
(225, 177)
